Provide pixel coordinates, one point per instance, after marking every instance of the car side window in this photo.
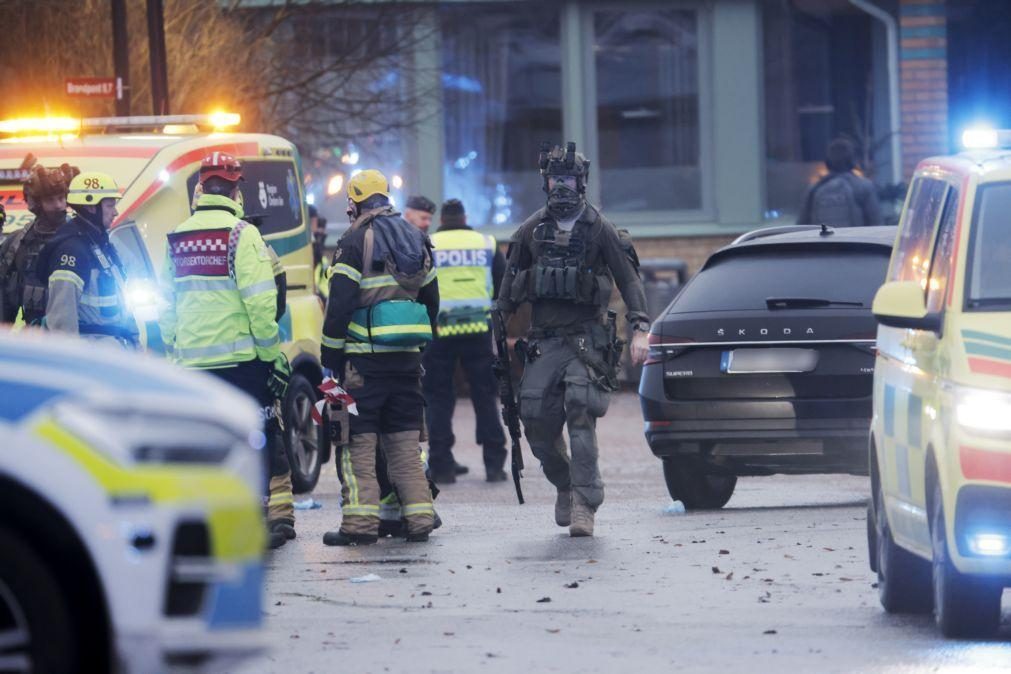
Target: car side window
(940, 266)
(912, 253)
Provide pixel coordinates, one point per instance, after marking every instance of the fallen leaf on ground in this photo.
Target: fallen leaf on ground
(553, 630)
(544, 600)
(724, 552)
(572, 586)
(770, 632)
(716, 569)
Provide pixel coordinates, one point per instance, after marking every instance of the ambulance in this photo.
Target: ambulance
(939, 520)
(155, 160)
(131, 524)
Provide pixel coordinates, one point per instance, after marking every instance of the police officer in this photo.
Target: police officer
(470, 268)
(419, 211)
(85, 276)
(22, 288)
(221, 314)
(384, 303)
(564, 260)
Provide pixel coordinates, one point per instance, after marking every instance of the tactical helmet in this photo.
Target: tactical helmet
(564, 162)
(43, 183)
(90, 187)
(368, 183)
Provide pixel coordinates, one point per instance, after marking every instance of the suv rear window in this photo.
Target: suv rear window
(744, 281)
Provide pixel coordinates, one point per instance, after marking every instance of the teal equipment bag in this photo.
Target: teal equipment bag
(392, 323)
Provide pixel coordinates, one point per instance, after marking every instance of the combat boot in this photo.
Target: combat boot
(342, 539)
(284, 527)
(582, 519)
(563, 508)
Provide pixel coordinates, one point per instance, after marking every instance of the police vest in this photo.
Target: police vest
(389, 318)
(463, 260)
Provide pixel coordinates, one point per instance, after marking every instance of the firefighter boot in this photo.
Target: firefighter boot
(563, 508)
(582, 518)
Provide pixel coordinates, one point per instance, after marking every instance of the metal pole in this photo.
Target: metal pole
(156, 49)
(121, 57)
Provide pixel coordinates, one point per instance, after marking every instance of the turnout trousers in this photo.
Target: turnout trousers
(251, 377)
(390, 413)
(476, 355)
(556, 391)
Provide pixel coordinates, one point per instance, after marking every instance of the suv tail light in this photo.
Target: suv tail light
(660, 347)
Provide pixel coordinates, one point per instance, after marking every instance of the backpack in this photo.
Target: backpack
(834, 203)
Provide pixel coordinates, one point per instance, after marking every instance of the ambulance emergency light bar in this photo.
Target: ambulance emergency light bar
(167, 123)
(986, 138)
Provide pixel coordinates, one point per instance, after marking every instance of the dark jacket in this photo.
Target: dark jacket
(841, 200)
(605, 252)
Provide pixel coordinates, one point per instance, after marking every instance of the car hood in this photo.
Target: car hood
(984, 342)
(39, 369)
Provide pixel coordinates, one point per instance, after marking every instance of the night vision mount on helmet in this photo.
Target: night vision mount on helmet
(554, 161)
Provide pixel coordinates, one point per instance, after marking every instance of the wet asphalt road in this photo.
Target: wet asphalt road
(777, 581)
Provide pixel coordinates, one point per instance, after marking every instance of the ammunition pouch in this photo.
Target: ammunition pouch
(574, 284)
(34, 297)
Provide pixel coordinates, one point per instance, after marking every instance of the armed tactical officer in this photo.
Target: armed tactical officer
(564, 261)
(383, 307)
(22, 284)
(86, 277)
(222, 291)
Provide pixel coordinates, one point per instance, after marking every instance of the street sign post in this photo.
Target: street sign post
(95, 87)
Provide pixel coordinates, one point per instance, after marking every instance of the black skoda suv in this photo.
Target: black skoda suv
(764, 362)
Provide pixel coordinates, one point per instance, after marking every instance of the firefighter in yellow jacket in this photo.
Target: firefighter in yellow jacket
(383, 306)
(222, 313)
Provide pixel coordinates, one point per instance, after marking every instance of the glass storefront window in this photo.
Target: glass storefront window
(647, 80)
(501, 95)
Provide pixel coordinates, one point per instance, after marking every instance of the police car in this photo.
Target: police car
(131, 529)
(155, 161)
(939, 522)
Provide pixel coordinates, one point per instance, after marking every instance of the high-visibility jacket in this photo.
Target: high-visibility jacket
(463, 261)
(219, 284)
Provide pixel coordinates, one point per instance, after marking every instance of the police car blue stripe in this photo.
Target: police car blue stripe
(21, 399)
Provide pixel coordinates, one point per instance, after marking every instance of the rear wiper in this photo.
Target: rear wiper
(806, 303)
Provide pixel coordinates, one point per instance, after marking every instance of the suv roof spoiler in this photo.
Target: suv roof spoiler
(781, 229)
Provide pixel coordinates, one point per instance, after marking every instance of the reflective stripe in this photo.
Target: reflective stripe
(99, 300)
(216, 349)
(68, 276)
(257, 288)
(378, 282)
(432, 273)
(332, 343)
(111, 192)
(463, 329)
(423, 328)
(365, 347)
(361, 510)
(347, 270)
(349, 478)
(419, 509)
(267, 343)
(280, 499)
(191, 285)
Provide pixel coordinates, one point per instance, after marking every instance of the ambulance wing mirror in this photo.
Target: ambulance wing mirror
(903, 304)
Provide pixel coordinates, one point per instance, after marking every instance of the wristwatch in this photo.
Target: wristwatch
(641, 326)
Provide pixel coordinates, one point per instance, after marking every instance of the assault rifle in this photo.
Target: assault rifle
(510, 410)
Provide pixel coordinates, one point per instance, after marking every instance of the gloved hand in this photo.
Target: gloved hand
(279, 376)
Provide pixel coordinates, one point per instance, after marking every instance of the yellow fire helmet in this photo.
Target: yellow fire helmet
(90, 187)
(369, 182)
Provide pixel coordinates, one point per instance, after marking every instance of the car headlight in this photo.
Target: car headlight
(982, 411)
(143, 299)
(132, 436)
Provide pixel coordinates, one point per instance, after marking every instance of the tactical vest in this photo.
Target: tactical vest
(463, 260)
(389, 318)
(24, 285)
(561, 269)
